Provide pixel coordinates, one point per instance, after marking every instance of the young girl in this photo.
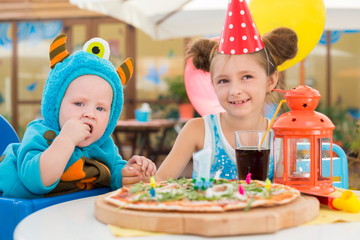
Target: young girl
(243, 76)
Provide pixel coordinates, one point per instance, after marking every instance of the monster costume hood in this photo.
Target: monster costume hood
(99, 162)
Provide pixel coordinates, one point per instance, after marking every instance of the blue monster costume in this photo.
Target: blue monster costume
(96, 165)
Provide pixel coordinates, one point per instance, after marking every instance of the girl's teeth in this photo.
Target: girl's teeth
(239, 102)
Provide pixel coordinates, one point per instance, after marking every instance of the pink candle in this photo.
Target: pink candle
(241, 189)
(248, 178)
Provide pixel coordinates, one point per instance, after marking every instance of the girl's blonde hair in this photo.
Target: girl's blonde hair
(280, 45)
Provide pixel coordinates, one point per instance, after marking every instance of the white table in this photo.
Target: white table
(76, 220)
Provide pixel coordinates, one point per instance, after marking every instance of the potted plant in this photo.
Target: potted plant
(347, 135)
(354, 159)
(177, 91)
(344, 132)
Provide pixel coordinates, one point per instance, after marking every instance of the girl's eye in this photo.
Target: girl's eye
(222, 81)
(100, 109)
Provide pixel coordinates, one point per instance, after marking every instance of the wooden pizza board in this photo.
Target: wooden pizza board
(255, 221)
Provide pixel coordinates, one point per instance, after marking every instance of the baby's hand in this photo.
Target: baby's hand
(75, 131)
(137, 169)
(131, 174)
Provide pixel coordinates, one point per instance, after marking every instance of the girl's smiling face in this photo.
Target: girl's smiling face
(88, 98)
(241, 84)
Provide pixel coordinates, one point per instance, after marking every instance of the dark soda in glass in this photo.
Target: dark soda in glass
(254, 161)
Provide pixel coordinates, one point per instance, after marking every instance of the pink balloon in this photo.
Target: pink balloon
(200, 90)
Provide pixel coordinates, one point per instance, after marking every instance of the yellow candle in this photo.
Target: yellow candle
(267, 184)
(152, 182)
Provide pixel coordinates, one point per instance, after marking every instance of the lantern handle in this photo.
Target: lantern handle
(286, 91)
(280, 90)
(271, 123)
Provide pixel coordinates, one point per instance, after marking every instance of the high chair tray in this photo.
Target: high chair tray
(255, 221)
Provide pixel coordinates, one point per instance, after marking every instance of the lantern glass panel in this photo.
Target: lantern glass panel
(298, 159)
(278, 157)
(302, 159)
(325, 158)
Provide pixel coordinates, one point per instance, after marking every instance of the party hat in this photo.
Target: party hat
(239, 34)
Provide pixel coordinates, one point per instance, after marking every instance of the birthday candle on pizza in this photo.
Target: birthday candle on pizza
(152, 182)
(241, 189)
(152, 192)
(248, 178)
(267, 187)
(267, 184)
(153, 185)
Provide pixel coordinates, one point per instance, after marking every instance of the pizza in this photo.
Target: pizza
(183, 196)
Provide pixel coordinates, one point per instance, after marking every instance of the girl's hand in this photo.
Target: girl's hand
(75, 131)
(147, 167)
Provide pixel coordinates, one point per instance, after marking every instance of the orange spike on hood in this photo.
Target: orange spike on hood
(126, 70)
(58, 50)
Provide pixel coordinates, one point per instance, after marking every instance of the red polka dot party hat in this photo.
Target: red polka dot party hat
(239, 34)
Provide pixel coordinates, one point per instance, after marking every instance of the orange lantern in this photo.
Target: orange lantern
(303, 144)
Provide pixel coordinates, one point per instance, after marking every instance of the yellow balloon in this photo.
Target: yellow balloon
(305, 17)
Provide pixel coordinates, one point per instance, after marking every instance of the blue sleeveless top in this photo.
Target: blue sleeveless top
(223, 159)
